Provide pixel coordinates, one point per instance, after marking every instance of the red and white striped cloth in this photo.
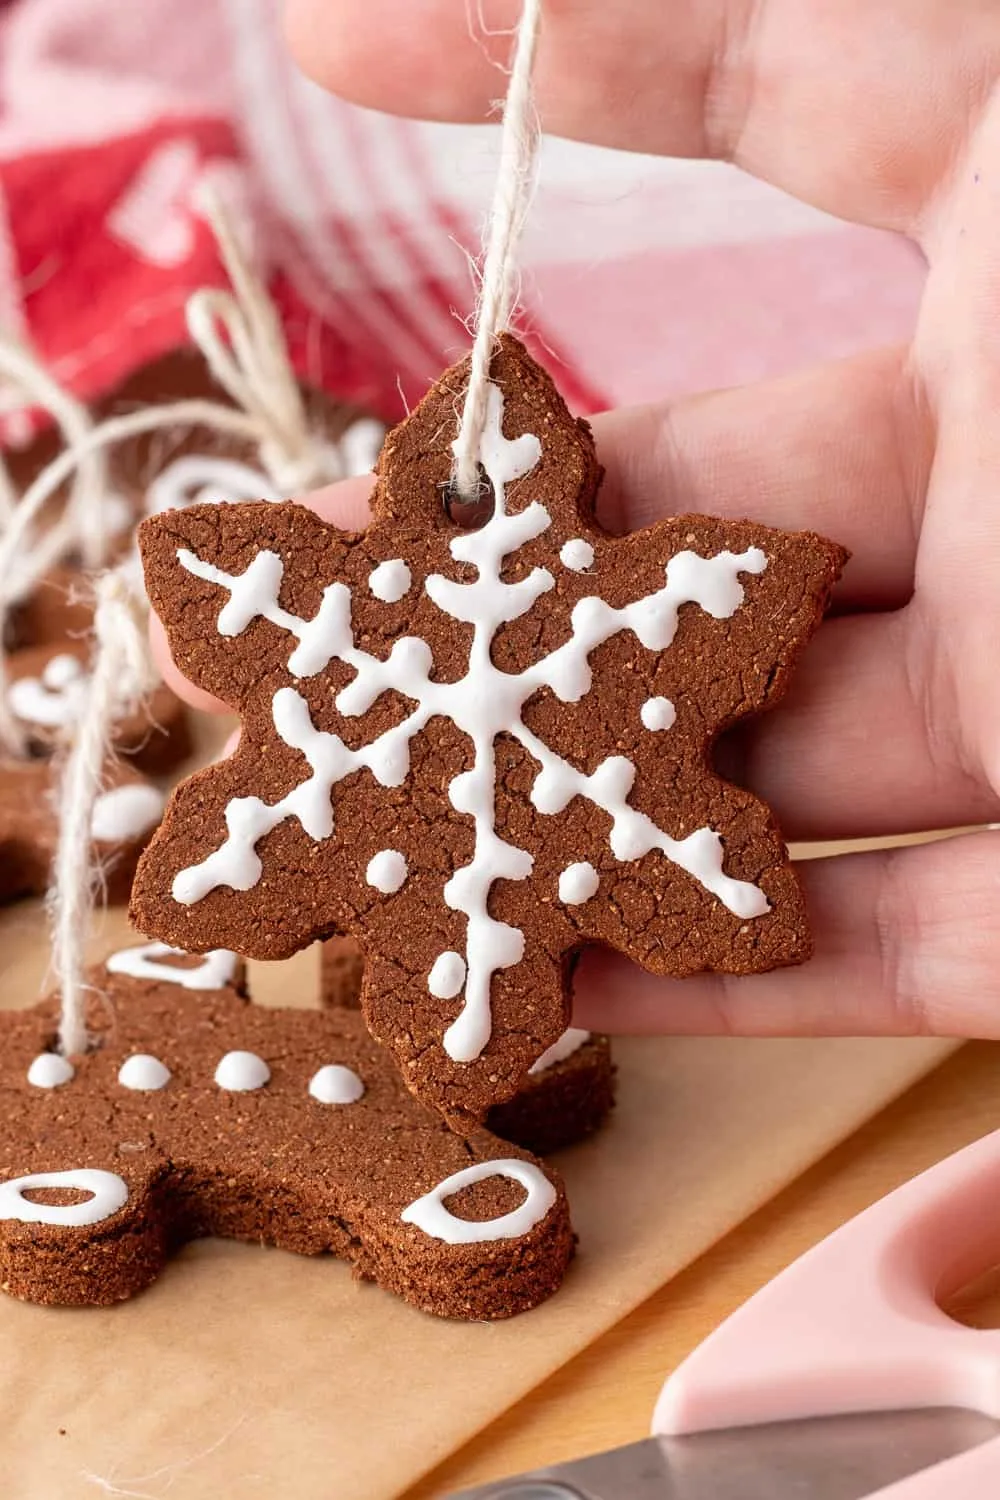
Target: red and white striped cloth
(642, 278)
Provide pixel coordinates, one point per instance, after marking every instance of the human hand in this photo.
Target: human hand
(885, 112)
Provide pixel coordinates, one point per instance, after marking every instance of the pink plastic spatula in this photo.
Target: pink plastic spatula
(840, 1380)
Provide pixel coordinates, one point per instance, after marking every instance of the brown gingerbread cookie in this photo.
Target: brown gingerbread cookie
(198, 1113)
(568, 1093)
(123, 820)
(47, 690)
(475, 751)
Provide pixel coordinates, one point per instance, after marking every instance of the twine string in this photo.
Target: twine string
(122, 674)
(241, 338)
(498, 291)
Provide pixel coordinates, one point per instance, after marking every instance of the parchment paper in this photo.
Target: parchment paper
(245, 1372)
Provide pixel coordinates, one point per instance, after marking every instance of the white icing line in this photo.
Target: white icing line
(108, 1194)
(50, 1071)
(242, 1072)
(125, 813)
(387, 871)
(483, 704)
(390, 581)
(657, 714)
(215, 971)
(578, 883)
(577, 555)
(143, 1073)
(335, 1084)
(430, 1214)
(571, 1041)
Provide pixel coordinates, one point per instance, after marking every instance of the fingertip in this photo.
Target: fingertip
(345, 505)
(422, 59)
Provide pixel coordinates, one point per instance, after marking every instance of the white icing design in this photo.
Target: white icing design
(578, 883)
(336, 1084)
(241, 1072)
(430, 1214)
(657, 713)
(49, 1070)
(214, 971)
(196, 479)
(577, 555)
(54, 700)
(390, 581)
(571, 1041)
(143, 1073)
(483, 704)
(125, 813)
(387, 871)
(108, 1194)
(447, 976)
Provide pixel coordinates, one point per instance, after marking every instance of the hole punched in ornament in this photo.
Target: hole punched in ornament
(465, 512)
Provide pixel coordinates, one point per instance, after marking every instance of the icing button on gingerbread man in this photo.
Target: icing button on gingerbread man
(476, 751)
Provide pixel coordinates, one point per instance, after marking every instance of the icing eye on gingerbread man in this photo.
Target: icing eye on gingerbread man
(288, 1127)
(476, 751)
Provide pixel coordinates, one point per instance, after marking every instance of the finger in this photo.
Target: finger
(843, 449)
(864, 743)
(906, 943)
(860, 107)
(958, 356)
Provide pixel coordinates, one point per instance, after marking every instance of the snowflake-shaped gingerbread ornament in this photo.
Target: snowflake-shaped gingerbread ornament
(477, 750)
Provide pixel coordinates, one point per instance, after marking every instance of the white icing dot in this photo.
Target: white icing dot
(578, 883)
(241, 1072)
(386, 871)
(215, 970)
(571, 1041)
(390, 580)
(143, 1073)
(50, 1071)
(108, 1193)
(447, 975)
(577, 555)
(657, 713)
(336, 1084)
(125, 813)
(430, 1214)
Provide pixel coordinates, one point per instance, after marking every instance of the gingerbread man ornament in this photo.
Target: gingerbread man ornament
(475, 751)
(197, 1113)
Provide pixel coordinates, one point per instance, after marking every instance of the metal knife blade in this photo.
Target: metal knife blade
(822, 1458)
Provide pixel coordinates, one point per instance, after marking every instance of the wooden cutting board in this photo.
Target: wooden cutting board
(249, 1372)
